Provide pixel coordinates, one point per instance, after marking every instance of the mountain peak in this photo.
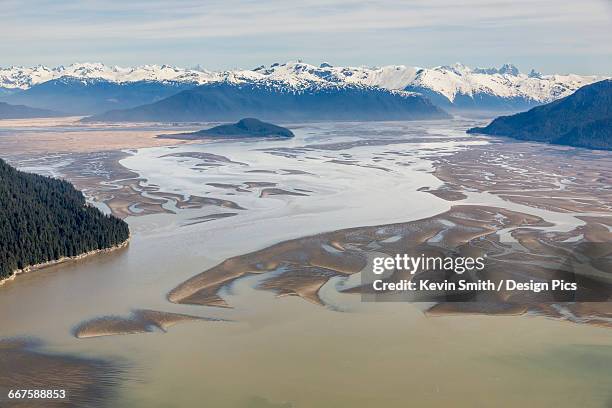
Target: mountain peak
(506, 69)
(509, 69)
(448, 81)
(534, 74)
(583, 119)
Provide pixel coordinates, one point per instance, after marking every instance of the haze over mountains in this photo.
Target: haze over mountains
(226, 101)
(89, 89)
(8, 111)
(86, 96)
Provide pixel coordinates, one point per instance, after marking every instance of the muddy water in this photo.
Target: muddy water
(282, 352)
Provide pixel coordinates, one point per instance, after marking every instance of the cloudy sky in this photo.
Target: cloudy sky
(549, 35)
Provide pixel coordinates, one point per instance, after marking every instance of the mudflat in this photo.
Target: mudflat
(274, 235)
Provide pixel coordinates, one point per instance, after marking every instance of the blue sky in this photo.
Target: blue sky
(549, 35)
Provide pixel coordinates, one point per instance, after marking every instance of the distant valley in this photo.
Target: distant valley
(8, 111)
(81, 96)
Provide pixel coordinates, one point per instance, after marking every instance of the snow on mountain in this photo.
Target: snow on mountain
(294, 75)
(506, 82)
(298, 73)
(449, 82)
(25, 78)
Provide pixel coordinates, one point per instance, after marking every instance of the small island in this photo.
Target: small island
(244, 128)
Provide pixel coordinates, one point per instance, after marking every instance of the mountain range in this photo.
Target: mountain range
(583, 119)
(96, 88)
(86, 96)
(275, 101)
(8, 111)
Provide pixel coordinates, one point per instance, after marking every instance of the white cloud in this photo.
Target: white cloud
(548, 25)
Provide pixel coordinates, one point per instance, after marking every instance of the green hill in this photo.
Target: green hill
(44, 219)
(244, 128)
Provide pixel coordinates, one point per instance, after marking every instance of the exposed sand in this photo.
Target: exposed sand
(304, 282)
(88, 156)
(207, 159)
(551, 178)
(139, 321)
(309, 267)
(207, 218)
(555, 178)
(62, 260)
(445, 194)
(301, 267)
(103, 180)
(73, 136)
(344, 252)
(252, 184)
(267, 192)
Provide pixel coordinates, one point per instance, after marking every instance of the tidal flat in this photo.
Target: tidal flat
(263, 241)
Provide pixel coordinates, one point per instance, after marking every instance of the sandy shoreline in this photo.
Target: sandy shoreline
(315, 273)
(126, 193)
(65, 259)
(301, 267)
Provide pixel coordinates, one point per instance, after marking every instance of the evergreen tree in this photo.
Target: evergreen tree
(44, 219)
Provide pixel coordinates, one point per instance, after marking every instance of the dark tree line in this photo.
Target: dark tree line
(43, 219)
(582, 119)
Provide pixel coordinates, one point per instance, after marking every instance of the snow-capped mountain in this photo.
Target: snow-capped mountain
(273, 100)
(25, 78)
(583, 119)
(497, 89)
(454, 87)
(292, 73)
(86, 96)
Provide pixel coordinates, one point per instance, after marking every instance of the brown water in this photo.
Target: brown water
(281, 352)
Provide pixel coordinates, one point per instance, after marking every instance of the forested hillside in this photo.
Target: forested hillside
(43, 219)
(230, 101)
(582, 119)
